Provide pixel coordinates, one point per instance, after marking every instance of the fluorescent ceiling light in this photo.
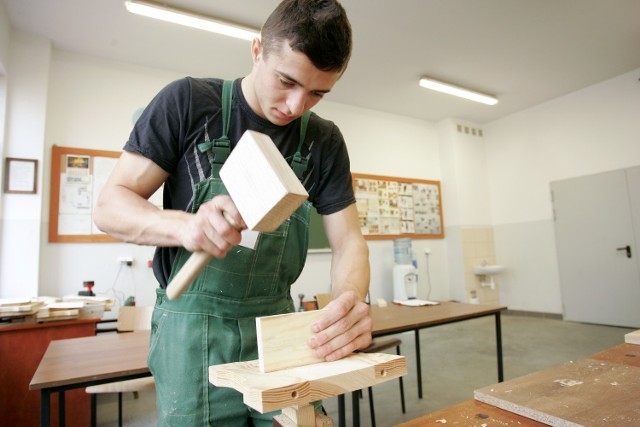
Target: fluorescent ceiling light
(190, 19)
(433, 84)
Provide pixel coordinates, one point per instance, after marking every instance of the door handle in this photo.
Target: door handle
(626, 248)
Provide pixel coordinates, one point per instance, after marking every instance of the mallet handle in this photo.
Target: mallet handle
(194, 265)
(187, 274)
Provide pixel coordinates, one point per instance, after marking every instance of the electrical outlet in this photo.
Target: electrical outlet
(126, 260)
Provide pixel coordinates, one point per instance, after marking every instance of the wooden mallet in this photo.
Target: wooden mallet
(265, 190)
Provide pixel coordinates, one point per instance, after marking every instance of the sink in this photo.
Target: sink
(488, 270)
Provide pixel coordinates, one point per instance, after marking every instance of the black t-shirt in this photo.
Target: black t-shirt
(188, 112)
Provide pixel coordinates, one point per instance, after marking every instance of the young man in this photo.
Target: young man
(180, 141)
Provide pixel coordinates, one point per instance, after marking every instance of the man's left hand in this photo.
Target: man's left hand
(344, 328)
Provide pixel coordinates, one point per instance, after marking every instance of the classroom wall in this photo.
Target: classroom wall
(5, 34)
(90, 105)
(589, 131)
(27, 86)
(62, 98)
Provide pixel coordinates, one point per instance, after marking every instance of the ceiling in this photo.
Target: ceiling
(524, 51)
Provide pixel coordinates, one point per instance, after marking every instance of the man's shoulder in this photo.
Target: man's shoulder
(322, 123)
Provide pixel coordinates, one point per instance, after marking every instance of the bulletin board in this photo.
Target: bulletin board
(77, 176)
(391, 207)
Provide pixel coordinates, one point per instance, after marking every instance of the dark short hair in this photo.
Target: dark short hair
(318, 28)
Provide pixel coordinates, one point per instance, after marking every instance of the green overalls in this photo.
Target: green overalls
(213, 322)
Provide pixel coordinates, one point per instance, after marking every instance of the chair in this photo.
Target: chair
(130, 319)
(376, 346)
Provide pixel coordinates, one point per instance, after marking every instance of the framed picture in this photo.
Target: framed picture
(20, 176)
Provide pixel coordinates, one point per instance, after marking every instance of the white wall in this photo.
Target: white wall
(90, 105)
(27, 78)
(87, 102)
(589, 131)
(5, 34)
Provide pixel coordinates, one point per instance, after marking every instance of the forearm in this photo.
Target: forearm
(350, 268)
(133, 219)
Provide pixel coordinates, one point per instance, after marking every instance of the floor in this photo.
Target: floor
(456, 359)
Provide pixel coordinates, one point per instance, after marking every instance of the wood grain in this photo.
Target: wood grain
(471, 413)
(585, 392)
(282, 340)
(261, 183)
(271, 391)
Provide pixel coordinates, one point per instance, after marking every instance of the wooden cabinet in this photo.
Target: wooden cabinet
(21, 349)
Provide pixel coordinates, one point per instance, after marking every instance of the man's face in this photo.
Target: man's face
(287, 84)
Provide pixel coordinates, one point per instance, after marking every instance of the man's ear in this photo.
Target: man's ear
(256, 49)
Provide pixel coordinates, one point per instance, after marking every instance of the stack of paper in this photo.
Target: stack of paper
(19, 307)
(108, 303)
(60, 311)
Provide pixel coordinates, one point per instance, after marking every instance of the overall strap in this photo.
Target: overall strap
(221, 147)
(299, 163)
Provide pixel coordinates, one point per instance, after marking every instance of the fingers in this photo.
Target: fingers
(345, 328)
(215, 228)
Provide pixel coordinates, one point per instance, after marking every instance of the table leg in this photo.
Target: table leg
(418, 364)
(45, 407)
(342, 419)
(93, 409)
(61, 407)
(499, 347)
(355, 405)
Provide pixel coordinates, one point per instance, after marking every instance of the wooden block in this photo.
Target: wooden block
(633, 337)
(323, 300)
(271, 391)
(584, 392)
(282, 340)
(304, 415)
(261, 183)
(283, 420)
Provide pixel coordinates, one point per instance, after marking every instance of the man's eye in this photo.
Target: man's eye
(286, 83)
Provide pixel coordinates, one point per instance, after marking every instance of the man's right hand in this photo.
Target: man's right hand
(215, 228)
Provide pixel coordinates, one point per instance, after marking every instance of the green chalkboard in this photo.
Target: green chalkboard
(317, 237)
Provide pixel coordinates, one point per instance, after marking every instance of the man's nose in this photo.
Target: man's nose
(297, 102)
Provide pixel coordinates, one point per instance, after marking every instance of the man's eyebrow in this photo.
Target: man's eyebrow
(290, 78)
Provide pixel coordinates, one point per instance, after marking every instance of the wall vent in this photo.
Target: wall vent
(469, 130)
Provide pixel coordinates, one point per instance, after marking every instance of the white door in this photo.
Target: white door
(597, 248)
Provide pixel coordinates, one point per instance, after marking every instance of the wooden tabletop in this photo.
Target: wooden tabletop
(471, 413)
(96, 358)
(395, 318)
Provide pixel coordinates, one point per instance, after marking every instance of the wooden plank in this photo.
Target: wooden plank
(282, 340)
(261, 183)
(580, 393)
(623, 354)
(471, 413)
(271, 391)
(633, 337)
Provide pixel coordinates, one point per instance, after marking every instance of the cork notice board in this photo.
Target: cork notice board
(77, 176)
(390, 207)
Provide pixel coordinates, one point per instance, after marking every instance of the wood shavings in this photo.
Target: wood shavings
(442, 421)
(568, 383)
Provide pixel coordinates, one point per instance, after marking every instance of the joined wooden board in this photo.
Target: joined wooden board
(633, 337)
(585, 392)
(271, 391)
(282, 340)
